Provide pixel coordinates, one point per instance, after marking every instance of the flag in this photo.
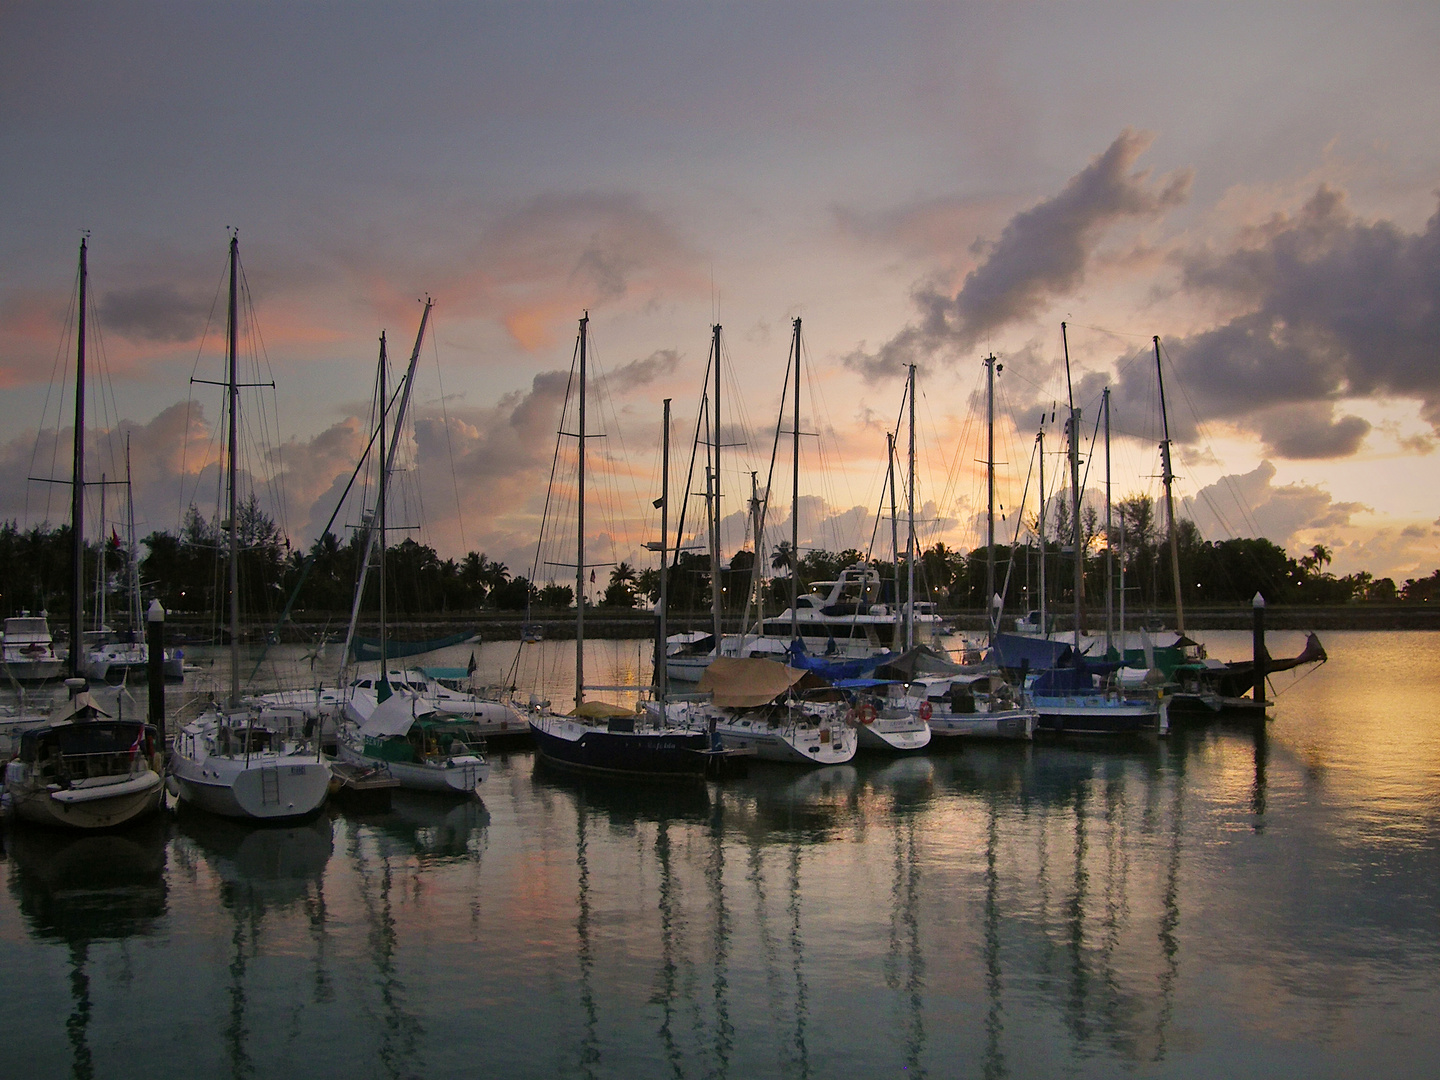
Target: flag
(592, 577)
(471, 669)
(114, 537)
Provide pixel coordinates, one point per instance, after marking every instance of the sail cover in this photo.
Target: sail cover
(393, 716)
(363, 648)
(746, 682)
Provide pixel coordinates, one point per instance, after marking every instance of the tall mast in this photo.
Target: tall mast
(716, 597)
(662, 673)
(1044, 618)
(894, 523)
(795, 501)
(381, 494)
(77, 488)
(1075, 494)
(387, 462)
(1168, 475)
(100, 562)
(1109, 551)
(580, 534)
(137, 617)
(990, 493)
(910, 540)
(231, 343)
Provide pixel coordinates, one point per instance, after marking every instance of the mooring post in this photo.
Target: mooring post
(1262, 658)
(155, 670)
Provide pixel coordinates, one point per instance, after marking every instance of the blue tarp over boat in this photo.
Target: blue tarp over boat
(835, 669)
(1037, 654)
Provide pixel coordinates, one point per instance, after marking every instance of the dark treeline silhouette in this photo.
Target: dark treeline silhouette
(187, 572)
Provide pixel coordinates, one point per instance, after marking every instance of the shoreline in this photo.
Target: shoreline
(609, 624)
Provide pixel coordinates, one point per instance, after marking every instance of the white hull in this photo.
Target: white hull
(1001, 724)
(32, 670)
(269, 787)
(459, 776)
(100, 803)
(898, 735)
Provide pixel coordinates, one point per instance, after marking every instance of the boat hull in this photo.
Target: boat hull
(1081, 715)
(115, 802)
(1003, 724)
(456, 776)
(658, 755)
(789, 746)
(893, 736)
(270, 787)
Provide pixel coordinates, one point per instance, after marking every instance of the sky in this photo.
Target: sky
(918, 183)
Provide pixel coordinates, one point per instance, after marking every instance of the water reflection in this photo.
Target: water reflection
(79, 889)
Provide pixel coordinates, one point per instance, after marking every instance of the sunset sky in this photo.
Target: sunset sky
(927, 183)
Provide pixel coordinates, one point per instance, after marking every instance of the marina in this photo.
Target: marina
(1233, 899)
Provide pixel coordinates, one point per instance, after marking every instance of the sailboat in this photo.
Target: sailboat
(599, 738)
(83, 769)
(394, 727)
(232, 761)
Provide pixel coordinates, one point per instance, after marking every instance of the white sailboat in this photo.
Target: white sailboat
(232, 761)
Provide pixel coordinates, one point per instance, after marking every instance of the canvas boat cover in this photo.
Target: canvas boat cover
(836, 669)
(394, 715)
(746, 682)
(83, 706)
(1015, 650)
(601, 710)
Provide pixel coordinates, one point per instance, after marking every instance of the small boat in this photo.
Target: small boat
(365, 789)
(420, 751)
(27, 652)
(972, 706)
(752, 708)
(85, 770)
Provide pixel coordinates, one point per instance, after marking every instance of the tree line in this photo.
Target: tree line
(187, 571)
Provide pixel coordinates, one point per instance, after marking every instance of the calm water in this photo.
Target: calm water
(1218, 904)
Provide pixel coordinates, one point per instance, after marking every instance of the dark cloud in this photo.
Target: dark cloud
(638, 373)
(1334, 308)
(1042, 253)
(159, 313)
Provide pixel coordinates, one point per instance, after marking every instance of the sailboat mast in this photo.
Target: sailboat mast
(137, 617)
(910, 539)
(795, 501)
(1044, 617)
(990, 494)
(232, 348)
(100, 562)
(380, 496)
(1075, 494)
(717, 599)
(1168, 475)
(387, 463)
(77, 487)
(662, 673)
(580, 533)
(1109, 551)
(894, 524)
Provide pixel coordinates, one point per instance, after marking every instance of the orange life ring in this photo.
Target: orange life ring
(867, 713)
(925, 710)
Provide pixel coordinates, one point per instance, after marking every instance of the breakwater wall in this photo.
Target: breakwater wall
(601, 623)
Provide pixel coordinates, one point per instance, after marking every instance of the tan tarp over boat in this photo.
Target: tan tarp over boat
(746, 682)
(601, 710)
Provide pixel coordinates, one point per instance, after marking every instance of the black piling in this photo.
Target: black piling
(1261, 656)
(155, 671)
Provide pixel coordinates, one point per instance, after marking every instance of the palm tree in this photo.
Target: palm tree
(623, 574)
(784, 557)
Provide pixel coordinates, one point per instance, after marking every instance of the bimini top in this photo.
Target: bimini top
(746, 682)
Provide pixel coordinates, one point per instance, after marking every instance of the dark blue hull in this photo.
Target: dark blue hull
(656, 755)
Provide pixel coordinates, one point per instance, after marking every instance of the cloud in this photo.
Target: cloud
(1250, 504)
(1330, 308)
(159, 313)
(1042, 253)
(640, 373)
